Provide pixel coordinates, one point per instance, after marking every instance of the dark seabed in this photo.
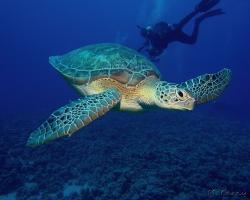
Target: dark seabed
(148, 156)
(154, 155)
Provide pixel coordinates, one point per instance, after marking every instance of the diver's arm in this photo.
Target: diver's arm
(144, 45)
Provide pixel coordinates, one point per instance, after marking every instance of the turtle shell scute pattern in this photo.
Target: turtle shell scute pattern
(81, 66)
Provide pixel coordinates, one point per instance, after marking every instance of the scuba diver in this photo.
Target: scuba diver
(158, 36)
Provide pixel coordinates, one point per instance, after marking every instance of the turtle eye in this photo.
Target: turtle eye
(180, 93)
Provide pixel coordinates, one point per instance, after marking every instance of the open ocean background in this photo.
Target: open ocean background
(155, 155)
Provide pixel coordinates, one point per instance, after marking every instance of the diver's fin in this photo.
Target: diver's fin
(208, 87)
(206, 5)
(211, 13)
(73, 116)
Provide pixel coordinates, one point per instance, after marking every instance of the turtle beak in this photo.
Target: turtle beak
(185, 105)
(189, 104)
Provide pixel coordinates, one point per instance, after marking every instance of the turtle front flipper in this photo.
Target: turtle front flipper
(73, 116)
(208, 87)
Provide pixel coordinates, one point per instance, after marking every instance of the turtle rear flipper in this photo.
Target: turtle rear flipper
(208, 87)
(73, 116)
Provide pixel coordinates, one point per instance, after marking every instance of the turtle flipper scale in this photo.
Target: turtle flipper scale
(208, 87)
(73, 116)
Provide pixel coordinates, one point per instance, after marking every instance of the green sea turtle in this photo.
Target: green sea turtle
(111, 75)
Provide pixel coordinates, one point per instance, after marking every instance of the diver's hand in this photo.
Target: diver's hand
(139, 27)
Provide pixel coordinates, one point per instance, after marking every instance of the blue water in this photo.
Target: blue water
(160, 154)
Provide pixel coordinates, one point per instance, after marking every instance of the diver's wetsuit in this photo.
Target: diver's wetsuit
(161, 34)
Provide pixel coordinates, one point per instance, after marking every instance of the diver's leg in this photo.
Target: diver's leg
(191, 39)
(185, 20)
(203, 6)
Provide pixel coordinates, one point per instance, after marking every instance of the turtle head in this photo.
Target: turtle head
(171, 96)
